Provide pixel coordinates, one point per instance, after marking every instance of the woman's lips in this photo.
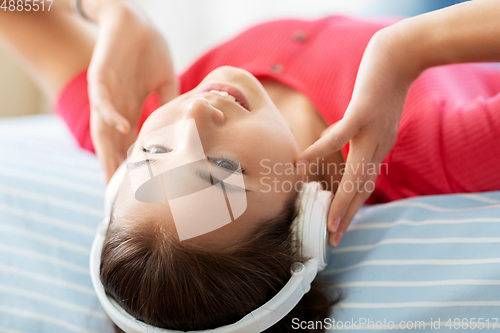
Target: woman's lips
(240, 98)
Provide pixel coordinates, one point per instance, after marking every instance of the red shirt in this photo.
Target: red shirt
(449, 137)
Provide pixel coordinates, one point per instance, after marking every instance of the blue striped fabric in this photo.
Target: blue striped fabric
(51, 200)
(426, 259)
(411, 260)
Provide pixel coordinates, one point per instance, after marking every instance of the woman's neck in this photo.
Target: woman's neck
(306, 125)
(304, 121)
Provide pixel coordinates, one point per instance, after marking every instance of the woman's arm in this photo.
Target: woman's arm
(51, 45)
(130, 60)
(393, 59)
(467, 32)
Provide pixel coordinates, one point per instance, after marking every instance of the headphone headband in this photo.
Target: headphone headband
(309, 225)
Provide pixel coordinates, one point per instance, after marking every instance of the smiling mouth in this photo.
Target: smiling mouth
(225, 94)
(229, 92)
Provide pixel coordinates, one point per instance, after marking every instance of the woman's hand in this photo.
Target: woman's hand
(370, 125)
(393, 59)
(130, 60)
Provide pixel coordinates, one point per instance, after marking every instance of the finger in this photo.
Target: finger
(359, 199)
(106, 145)
(100, 103)
(106, 160)
(110, 164)
(111, 159)
(334, 140)
(116, 149)
(104, 150)
(111, 117)
(326, 131)
(168, 92)
(355, 173)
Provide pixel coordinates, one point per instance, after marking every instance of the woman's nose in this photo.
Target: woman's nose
(204, 113)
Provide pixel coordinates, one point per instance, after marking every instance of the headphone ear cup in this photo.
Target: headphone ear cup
(318, 227)
(310, 225)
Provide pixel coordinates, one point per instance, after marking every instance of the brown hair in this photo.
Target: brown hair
(177, 285)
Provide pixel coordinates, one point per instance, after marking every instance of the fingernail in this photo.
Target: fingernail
(335, 225)
(337, 238)
(121, 128)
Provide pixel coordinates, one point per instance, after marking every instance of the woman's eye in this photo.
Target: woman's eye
(227, 165)
(156, 150)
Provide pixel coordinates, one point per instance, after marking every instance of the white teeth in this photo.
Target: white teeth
(225, 94)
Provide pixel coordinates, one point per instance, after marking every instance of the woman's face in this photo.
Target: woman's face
(254, 133)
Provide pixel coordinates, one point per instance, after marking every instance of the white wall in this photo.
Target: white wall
(193, 26)
(18, 94)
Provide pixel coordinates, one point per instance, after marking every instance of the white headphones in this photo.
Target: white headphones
(309, 227)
